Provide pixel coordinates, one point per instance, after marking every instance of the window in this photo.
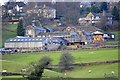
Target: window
(25, 39)
(21, 39)
(14, 39)
(29, 39)
(18, 40)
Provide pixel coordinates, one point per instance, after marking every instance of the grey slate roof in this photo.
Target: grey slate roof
(39, 29)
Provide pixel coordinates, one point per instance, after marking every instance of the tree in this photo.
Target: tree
(20, 28)
(36, 74)
(115, 13)
(38, 69)
(69, 10)
(103, 21)
(103, 6)
(95, 9)
(45, 60)
(66, 61)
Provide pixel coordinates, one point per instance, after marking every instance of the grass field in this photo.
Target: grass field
(97, 71)
(6, 32)
(112, 43)
(80, 56)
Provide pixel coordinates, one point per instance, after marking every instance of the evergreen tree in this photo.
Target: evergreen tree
(103, 6)
(115, 13)
(20, 28)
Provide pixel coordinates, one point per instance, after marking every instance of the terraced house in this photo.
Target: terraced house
(43, 11)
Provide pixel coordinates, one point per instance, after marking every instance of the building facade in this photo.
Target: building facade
(43, 11)
(24, 43)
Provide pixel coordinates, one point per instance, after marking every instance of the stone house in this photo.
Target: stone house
(92, 18)
(43, 11)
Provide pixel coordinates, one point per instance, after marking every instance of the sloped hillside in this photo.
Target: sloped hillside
(8, 31)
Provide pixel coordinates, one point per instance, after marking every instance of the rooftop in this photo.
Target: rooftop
(27, 39)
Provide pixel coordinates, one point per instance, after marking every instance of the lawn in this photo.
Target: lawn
(22, 60)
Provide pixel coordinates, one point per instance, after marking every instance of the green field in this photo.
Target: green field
(9, 31)
(117, 34)
(112, 43)
(15, 62)
(80, 56)
(97, 71)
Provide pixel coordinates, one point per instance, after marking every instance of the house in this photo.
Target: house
(15, 9)
(89, 19)
(33, 31)
(85, 4)
(92, 18)
(44, 11)
(36, 29)
(49, 12)
(109, 36)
